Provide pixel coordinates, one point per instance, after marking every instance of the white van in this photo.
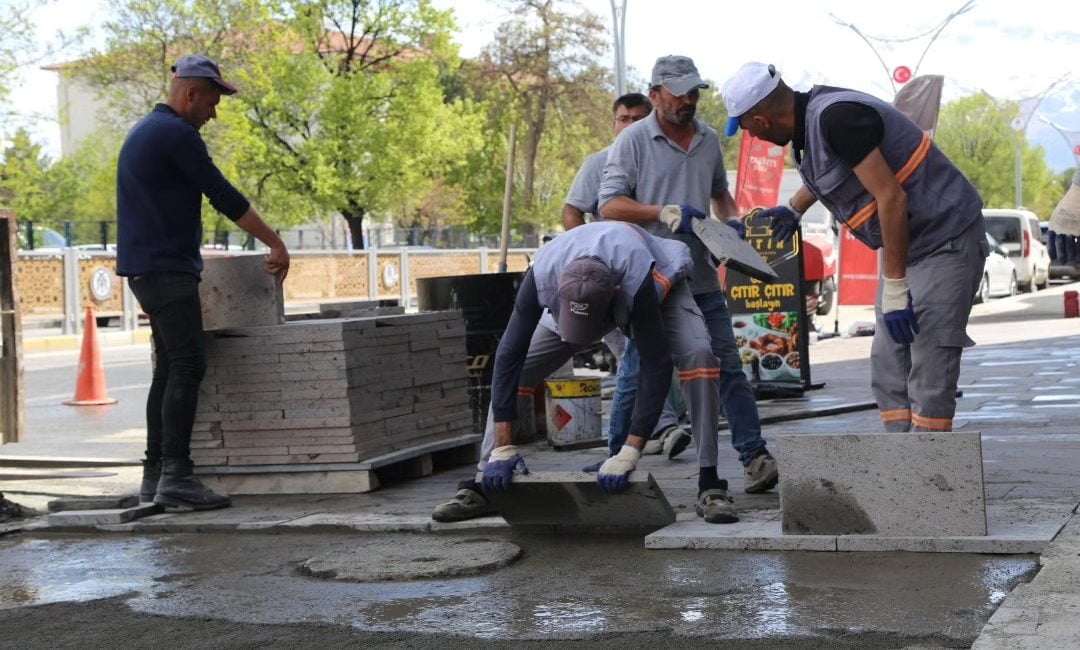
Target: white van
(1017, 231)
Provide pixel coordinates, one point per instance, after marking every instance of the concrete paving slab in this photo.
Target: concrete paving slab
(412, 558)
(740, 536)
(886, 484)
(93, 503)
(1023, 526)
(574, 501)
(82, 518)
(236, 291)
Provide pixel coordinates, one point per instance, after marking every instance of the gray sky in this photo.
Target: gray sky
(1010, 49)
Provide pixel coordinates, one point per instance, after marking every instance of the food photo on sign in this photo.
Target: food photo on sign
(769, 319)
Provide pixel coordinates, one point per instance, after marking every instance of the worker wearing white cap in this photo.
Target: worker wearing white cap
(883, 177)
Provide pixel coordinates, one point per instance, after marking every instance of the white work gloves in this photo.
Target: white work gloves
(898, 312)
(615, 470)
(499, 470)
(680, 217)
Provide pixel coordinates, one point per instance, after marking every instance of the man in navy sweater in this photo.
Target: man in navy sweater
(163, 172)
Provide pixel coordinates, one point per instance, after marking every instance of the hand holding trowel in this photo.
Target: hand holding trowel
(724, 240)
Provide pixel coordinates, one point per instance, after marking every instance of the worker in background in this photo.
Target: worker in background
(668, 438)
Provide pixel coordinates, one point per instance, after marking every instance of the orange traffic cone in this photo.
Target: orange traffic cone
(90, 387)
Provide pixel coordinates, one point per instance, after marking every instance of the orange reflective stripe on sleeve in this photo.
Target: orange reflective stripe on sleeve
(662, 281)
(916, 159)
(526, 391)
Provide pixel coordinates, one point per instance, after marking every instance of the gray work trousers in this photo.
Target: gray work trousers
(691, 351)
(616, 342)
(915, 386)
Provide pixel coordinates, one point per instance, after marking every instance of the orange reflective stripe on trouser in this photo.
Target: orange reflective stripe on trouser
(917, 158)
(699, 373)
(662, 281)
(896, 415)
(526, 391)
(932, 424)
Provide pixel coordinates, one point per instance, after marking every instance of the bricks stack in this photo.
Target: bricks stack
(331, 391)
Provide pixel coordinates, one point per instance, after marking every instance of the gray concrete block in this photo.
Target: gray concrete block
(98, 517)
(411, 558)
(740, 536)
(93, 503)
(574, 501)
(292, 482)
(236, 291)
(885, 484)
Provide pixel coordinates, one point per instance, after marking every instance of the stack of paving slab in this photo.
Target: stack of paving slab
(328, 395)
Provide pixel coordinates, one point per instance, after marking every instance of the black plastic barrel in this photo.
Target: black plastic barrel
(486, 301)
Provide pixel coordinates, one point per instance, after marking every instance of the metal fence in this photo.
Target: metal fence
(101, 235)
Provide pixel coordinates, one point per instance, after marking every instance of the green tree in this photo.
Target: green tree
(976, 136)
(345, 107)
(78, 188)
(143, 38)
(545, 60)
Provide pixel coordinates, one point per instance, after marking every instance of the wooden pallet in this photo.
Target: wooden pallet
(342, 478)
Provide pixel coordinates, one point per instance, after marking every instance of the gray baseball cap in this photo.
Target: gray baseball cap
(586, 287)
(676, 73)
(196, 65)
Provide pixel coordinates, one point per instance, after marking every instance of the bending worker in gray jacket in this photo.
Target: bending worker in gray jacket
(593, 279)
(879, 174)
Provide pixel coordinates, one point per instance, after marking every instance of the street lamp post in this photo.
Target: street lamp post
(618, 29)
(1018, 127)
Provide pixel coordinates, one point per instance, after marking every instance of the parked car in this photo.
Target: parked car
(999, 274)
(46, 240)
(1017, 232)
(1058, 270)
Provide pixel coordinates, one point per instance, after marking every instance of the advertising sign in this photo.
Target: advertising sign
(769, 320)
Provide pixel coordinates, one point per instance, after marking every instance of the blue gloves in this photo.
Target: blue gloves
(785, 222)
(738, 226)
(499, 469)
(898, 312)
(614, 473)
(1063, 249)
(679, 218)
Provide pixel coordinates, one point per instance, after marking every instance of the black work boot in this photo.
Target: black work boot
(151, 472)
(178, 488)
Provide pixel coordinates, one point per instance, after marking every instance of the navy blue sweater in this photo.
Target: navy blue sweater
(163, 171)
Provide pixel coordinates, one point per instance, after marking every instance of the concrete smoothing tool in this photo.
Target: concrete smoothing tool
(573, 502)
(732, 251)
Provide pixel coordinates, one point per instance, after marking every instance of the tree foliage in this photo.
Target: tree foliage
(544, 60)
(976, 136)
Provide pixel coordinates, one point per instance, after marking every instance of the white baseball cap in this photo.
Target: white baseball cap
(751, 84)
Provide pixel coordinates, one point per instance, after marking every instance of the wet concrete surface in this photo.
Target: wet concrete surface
(596, 590)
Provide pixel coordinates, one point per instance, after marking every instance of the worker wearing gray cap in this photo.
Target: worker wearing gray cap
(882, 176)
(661, 174)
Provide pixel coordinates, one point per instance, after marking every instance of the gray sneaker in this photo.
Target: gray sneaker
(467, 504)
(761, 474)
(676, 440)
(717, 507)
(653, 446)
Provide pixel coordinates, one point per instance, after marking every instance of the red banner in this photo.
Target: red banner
(858, 271)
(761, 165)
